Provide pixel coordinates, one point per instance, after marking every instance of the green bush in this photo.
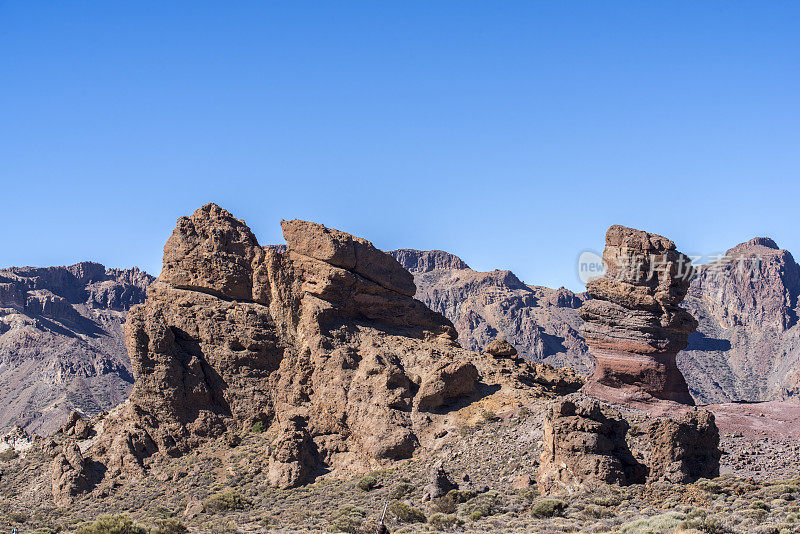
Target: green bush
(222, 502)
(168, 526)
(111, 524)
(367, 483)
(258, 427)
(348, 519)
(443, 522)
(406, 514)
(548, 508)
(656, 524)
(401, 490)
(760, 505)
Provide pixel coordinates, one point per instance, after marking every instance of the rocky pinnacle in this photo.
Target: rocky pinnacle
(634, 326)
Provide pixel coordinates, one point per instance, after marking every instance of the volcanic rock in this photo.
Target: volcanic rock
(500, 348)
(586, 443)
(633, 325)
(320, 343)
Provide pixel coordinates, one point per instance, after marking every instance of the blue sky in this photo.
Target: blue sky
(510, 133)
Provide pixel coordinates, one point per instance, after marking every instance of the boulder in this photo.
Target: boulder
(500, 348)
(587, 443)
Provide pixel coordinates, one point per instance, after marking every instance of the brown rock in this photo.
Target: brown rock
(521, 482)
(320, 342)
(69, 477)
(500, 348)
(587, 443)
(633, 325)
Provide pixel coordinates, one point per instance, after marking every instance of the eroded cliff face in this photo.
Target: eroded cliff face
(321, 343)
(748, 343)
(542, 323)
(61, 341)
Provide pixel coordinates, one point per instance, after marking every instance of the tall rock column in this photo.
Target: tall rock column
(634, 326)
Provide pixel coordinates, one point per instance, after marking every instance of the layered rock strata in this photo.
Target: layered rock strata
(633, 324)
(320, 343)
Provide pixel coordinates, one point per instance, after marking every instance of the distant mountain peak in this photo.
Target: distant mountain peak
(754, 245)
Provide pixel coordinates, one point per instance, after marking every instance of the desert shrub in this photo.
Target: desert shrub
(406, 514)
(222, 502)
(461, 496)
(401, 490)
(548, 508)
(258, 427)
(168, 526)
(443, 521)
(367, 483)
(760, 505)
(483, 505)
(111, 524)
(607, 500)
(597, 512)
(348, 518)
(654, 525)
(489, 416)
(8, 455)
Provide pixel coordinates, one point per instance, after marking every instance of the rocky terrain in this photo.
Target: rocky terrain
(746, 347)
(301, 388)
(320, 344)
(61, 342)
(542, 323)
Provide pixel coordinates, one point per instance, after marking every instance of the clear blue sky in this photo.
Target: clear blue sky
(510, 133)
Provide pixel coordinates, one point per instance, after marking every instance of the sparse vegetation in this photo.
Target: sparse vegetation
(405, 513)
(368, 482)
(548, 508)
(112, 524)
(222, 502)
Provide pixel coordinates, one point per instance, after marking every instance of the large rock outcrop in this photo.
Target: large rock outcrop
(320, 343)
(634, 326)
(62, 341)
(587, 443)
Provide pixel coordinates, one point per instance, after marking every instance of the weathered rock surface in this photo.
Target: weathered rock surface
(320, 343)
(61, 341)
(746, 347)
(500, 348)
(586, 443)
(633, 325)
(540, 322)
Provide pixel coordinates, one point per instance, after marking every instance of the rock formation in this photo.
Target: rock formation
(634, 326)
(61, 341)
(542, 323)
(587, 443)
(746, 347)
(320, 343)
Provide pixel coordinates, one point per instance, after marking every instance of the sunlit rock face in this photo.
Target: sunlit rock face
(633, 323)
